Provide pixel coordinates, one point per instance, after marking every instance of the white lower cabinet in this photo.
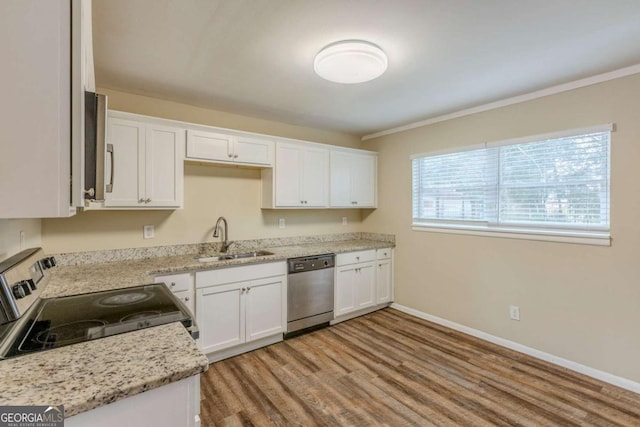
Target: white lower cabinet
(240, 305)
(174, 405)
(356, 287)
(364, 279)
(384, 276)
(182, 286)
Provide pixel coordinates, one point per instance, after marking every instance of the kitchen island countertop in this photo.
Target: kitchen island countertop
(88, 375)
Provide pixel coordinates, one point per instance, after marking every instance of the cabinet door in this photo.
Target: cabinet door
(384, 281)
(345, 290)
(209, 146)
(164, 166)
(288, 170)
(263, 302)
(35, 109)
(340, 179)
(187, 299)
(353, 179)
(365, 294)
(315, 177)
(220, 316)
(125, 165)
(363, 180)
(254, 151)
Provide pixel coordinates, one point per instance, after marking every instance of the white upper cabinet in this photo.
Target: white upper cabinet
(353, 179)
(42, 106)
(300, 177)
(144, 164)
(228, 148)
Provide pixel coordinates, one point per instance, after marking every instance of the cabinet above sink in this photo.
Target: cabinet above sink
(229, 148)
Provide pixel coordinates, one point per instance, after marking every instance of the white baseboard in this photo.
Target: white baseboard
(565, 363)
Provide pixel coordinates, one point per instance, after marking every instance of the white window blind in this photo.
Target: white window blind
(556, 182)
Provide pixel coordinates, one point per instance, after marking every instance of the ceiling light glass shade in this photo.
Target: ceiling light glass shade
(350, 61)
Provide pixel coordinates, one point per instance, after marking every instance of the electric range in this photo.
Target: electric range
(33, 324)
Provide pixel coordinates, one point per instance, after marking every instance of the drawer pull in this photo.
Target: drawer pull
(173, 284)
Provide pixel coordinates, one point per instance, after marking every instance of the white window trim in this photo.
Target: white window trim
(598, 238)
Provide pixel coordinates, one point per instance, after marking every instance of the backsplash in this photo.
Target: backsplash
(112, 255)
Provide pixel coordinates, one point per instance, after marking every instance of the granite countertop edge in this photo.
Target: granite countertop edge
(95, 373)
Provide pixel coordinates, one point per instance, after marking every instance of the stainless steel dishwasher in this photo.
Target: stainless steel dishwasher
(310, 292)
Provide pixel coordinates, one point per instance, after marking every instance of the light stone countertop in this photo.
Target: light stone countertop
(79, 279)
(88, 375)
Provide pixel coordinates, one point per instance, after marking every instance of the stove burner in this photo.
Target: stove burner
(68, 333)
(141, 315)
(124, 298)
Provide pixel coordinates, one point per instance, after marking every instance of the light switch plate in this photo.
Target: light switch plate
(148, 232)
(281, 223)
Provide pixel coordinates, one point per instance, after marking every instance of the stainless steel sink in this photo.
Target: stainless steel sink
(224, 257)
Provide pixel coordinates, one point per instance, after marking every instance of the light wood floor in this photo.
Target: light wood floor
(389, 368)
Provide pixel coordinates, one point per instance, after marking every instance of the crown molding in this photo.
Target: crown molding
(588, 81)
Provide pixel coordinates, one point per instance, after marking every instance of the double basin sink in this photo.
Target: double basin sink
(224, 257)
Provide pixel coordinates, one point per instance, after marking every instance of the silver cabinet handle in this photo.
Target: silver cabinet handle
(230, 155)
(235, 156)
(358, 258)
(186, 298)
(148, 201)
(109, 186)
(141, 201)
(173, 284)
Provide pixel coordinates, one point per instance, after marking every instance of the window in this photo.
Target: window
(547, 185)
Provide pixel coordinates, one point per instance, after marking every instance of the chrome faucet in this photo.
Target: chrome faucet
(225, 243)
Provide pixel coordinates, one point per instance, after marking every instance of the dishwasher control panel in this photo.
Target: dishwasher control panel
(298, 265)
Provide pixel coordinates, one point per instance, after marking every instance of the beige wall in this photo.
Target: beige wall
(187, 113)
(576, 301)
(210, 191)
(10, 235)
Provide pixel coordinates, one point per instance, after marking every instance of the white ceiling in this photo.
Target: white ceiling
(255, 57)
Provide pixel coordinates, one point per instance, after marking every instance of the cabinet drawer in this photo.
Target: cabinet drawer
(176, 282)
(355, 257)
(223, 276)
(384, 253)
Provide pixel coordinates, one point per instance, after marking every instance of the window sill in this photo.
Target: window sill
(598, 238)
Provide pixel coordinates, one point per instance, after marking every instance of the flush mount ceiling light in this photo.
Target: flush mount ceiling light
(350, 61)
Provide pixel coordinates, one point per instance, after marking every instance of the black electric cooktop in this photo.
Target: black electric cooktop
(57, 322)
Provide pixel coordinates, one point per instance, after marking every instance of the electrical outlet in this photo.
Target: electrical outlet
(148, 232)
(514, 312)
(281, 223)
(344, 220)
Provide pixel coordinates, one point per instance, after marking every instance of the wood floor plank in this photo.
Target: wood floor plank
(392, 369)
